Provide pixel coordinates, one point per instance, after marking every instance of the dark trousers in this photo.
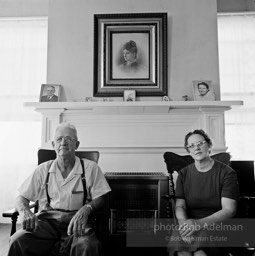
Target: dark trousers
(50, 238)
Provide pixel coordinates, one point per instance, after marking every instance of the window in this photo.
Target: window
(236, 39)
(23, 62)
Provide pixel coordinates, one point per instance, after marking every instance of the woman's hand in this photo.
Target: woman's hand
(187, 228)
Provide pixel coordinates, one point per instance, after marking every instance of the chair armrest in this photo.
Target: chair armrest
(13, 214)
(246, 207)
(10, 213)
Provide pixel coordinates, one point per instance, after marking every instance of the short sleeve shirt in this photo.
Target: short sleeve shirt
(203, 191)
(66, 194)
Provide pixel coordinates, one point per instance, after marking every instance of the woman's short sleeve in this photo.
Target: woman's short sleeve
(230, 186)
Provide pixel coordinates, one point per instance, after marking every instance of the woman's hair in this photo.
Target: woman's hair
(203, 83)
(199, 132)
(130, 46)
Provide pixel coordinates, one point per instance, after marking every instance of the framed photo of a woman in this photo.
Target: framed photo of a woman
(130, 61)
(130, 52)
(203, 91)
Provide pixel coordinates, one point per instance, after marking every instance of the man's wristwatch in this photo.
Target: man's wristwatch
(89, 206)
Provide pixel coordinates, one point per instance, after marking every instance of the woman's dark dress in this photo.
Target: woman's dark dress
(202, 192)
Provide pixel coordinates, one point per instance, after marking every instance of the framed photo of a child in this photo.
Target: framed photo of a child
(129, 95)
(203, 91)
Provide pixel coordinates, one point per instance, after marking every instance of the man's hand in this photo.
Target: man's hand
(78, 222)
(29, 220)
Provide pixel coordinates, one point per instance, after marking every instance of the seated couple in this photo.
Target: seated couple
(207, 192)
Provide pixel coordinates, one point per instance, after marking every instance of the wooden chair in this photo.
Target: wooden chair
(101, 216)
(175, 163)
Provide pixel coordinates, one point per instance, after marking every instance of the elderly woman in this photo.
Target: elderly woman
(206, 193)
(204, 92)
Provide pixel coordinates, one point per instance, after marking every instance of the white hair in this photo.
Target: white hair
(68, 125)
(51, 86)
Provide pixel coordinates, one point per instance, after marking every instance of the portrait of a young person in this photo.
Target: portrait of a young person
(131, 66)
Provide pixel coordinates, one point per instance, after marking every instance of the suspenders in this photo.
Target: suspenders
(82, 179)
(83, 182)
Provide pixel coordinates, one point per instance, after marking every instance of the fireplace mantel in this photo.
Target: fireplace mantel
(134, 107)
(133, 136)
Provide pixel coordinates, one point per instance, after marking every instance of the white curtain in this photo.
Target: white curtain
(236, 37)
(23, 62)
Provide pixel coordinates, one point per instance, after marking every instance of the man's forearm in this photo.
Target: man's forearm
(97, 203)
(21, 204)
(28, 219)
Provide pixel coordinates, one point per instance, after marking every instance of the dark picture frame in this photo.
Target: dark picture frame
(130, 52)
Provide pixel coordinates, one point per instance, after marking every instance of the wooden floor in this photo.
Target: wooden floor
(5, 230)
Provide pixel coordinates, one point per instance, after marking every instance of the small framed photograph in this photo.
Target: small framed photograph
(129, 95)
(165, 98)
(130, 51)
(203, 91)
(50, 93)
(88, 99)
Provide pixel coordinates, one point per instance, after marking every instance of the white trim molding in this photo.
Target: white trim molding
(133, 136)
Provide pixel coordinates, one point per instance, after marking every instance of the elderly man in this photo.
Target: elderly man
(63, 223)
(50, 97)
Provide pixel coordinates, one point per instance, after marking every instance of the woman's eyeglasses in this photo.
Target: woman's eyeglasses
(198, 144)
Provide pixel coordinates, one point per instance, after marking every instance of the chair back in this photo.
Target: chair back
(49, 154)
(175, 162)
(246, 177)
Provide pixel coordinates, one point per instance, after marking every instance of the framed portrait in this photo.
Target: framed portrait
(129, 95)
(203, 91)
(130, 51)
(50, 93)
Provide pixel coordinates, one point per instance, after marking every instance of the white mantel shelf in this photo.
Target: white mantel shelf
(133, 107)
(133, 136)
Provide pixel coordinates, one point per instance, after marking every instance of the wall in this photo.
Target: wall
(235, 5)
(192, 42)
(23, 8)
